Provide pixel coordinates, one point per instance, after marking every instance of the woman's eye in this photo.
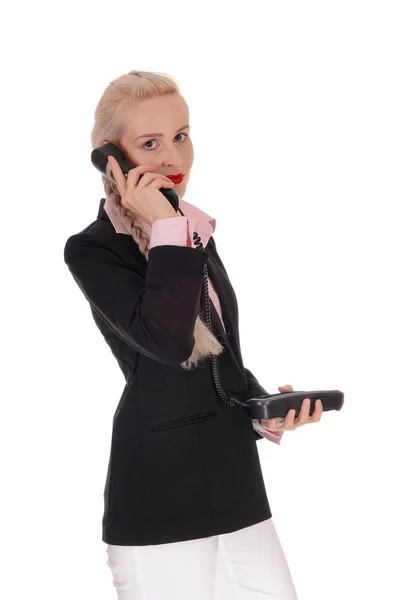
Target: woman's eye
(150, 141)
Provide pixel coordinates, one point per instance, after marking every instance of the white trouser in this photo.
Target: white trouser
(253, 560)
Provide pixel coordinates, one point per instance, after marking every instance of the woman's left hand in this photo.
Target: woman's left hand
(291, 422)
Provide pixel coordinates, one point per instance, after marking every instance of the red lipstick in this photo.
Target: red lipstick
(177, 178)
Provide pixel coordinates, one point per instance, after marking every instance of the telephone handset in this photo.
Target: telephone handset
(99, 158)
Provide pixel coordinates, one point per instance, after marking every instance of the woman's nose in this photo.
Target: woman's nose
(172, 158)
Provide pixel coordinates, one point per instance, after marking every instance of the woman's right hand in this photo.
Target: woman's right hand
(142, 197)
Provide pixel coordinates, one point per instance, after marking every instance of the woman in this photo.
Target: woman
(184, 476)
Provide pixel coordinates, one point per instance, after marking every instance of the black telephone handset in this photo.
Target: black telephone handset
(99, 158)
(271, 406)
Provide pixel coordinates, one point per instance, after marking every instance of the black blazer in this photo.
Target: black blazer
(182, 465)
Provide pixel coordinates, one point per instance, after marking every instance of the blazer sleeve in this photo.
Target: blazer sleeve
(254, 387)
(153, 311)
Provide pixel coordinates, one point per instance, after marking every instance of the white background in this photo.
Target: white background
(293, 116)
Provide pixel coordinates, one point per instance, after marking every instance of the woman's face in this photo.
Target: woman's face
(169, 147)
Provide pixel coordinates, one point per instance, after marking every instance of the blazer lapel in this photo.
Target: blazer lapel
(228, 302)
(102, 214)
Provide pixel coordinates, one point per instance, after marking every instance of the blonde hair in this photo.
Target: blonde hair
(109, 121)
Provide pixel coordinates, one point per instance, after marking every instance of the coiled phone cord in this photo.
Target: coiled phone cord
(207, 316)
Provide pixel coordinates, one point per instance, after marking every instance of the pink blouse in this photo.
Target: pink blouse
(179, 232)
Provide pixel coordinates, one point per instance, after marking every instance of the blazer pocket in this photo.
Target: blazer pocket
(197, 418)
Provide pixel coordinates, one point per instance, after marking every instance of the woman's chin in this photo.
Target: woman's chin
(180, 188)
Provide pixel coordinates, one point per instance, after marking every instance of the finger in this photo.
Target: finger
(285, 388)
(289, 420)
(149, 177)
(303, 413)
(135, 173)
(318, 411)
(159, 183)
(153, 174)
